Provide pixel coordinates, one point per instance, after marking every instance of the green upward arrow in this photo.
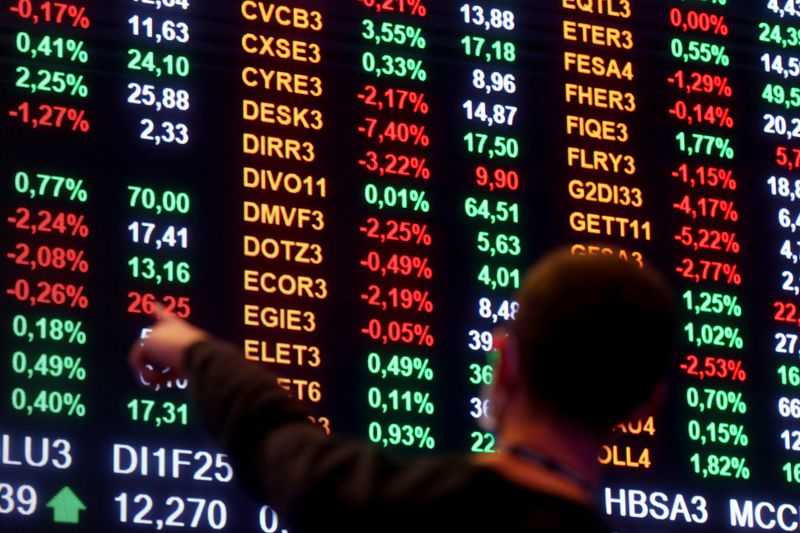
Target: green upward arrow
(66, 507)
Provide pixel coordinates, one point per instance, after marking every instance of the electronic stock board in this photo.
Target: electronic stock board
(352, 190)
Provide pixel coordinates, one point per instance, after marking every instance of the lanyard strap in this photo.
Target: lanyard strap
(548, 463)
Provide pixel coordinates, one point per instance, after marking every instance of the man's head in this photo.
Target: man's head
(592, 336)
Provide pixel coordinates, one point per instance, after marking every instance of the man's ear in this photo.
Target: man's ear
(506, 368)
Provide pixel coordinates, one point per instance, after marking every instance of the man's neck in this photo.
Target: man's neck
(572, 448)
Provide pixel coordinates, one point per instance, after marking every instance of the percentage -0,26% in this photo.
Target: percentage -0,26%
(48, 293)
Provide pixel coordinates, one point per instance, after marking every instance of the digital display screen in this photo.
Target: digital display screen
(351, 191)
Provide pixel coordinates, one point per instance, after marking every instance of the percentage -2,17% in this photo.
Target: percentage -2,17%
(396, 99)
(396, 331)
(47, 293)
(52, 116)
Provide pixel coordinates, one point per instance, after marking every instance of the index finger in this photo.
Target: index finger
(160, 311)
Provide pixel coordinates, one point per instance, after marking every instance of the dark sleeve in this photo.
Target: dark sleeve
(284, 460)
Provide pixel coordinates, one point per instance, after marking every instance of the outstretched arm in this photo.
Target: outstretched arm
(278, 455)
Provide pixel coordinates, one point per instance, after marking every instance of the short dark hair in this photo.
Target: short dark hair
(594, 334)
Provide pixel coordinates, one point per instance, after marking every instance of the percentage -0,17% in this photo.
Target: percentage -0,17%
(52, 12)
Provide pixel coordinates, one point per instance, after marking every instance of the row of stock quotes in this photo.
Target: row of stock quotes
(352, 194)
